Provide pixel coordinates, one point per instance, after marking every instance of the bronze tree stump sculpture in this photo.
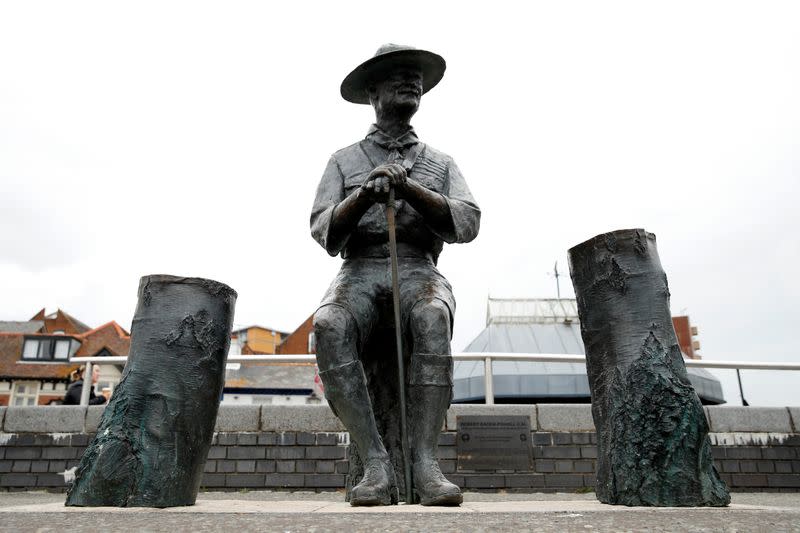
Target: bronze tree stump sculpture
(653, 446)
(153, 439)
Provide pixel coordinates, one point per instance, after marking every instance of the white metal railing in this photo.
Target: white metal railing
(487, 358)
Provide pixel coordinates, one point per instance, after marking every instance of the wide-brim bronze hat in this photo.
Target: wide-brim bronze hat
(355, 85)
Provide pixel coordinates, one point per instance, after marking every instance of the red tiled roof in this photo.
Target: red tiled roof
(110, 336)
(61, 321)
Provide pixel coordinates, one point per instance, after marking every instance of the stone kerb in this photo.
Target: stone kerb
(236, 418)
(93, 415)
(308, 418)
(565, 417)
(319, 418)
(794, 413)
(749, 419)
(45, 419)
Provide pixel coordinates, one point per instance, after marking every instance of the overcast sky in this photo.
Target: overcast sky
(189, 138)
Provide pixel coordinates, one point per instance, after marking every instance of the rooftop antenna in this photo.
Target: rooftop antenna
(557, 275)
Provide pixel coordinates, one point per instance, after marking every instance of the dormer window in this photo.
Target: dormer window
(48, 349)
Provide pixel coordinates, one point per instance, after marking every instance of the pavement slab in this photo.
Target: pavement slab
(305, 507)
(491, 513)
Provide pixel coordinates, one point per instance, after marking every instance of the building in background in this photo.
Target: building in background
(549, 326)
(686, 337)
(35, 362)
(255, 340)
(35, 356)
(301, 340)
(272, 382)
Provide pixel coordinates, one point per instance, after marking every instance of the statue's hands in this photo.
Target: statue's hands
(382, 179)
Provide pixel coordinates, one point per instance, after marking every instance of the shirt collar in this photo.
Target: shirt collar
(381, 138)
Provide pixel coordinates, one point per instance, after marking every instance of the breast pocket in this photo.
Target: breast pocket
(429, 177)
(354, 181)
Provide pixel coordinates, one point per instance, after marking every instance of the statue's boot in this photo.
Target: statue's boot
(430, 392)
(346, 391)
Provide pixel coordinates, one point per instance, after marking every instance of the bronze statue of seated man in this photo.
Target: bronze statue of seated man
(433, 206)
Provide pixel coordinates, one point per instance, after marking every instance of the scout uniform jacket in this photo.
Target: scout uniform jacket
(348, 168)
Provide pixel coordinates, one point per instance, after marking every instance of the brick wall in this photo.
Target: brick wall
(297, 341)
(286, 460)
(304, 447)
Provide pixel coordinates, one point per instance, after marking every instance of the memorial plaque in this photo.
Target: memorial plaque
(494, 443)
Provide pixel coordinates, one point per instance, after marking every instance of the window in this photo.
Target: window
(30, 349)
(61, 350)
(48, 349)
(312, 343)
(25, 393)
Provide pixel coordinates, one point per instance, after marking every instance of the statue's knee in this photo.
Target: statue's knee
(336, 337)
(332, 322)
(430, 318)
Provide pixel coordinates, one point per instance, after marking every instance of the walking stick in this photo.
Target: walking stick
(398, 334)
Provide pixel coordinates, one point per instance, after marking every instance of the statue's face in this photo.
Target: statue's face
(401, 90)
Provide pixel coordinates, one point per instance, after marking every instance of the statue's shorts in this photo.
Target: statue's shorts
(363, 287)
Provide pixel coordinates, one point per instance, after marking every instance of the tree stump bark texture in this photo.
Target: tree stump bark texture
(653, 446)
(154, 435)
